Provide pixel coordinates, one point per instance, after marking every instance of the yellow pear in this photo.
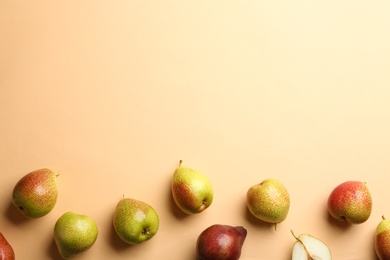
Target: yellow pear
(268, 201)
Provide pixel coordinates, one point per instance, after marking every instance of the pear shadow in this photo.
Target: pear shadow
(257, 223)
(52, 251)
(115, 241)
(14, 216)
(342, 225)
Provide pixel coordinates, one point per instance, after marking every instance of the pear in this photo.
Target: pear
(191, 190)
(135, 221)
(74, 233)
(350, 202)
(35, 194)
(308, 247)
(6, 250)
(268, 201)
(222, 242)
(382, 239)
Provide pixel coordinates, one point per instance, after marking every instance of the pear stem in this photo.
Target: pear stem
(383, 217)
(304, 247)
(292, 232)
(180, 162)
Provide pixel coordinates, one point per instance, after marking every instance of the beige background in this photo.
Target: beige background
(112, 94)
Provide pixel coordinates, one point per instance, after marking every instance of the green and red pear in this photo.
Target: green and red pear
(382, 239)
(191, 190)
(35, 194)
(350, 202)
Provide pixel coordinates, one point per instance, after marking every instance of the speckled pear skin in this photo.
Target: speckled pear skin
(6, 250)
(222, 242)
(35, 194)
(135, 221)
(382, 239)
(350, 202)
(268, 201)
(74, 234)
(191, 190)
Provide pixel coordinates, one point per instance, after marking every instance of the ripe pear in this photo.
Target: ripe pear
(74, 233)
(268, 201)
(6, 250)
(135, 221)
(191, 190)
(222, 242)
(350, 202)
(382, 239)
(308, 247)
(35, 194)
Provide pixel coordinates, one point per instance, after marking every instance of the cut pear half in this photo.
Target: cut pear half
(308, 247)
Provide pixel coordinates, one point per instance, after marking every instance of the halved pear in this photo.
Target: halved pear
(308, 247)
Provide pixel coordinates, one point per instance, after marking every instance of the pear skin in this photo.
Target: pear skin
(223, 242)
(191, 190)
(268, 201)
(6, 250)
(35, 194)
(382, 239)
(135, 221)
(74, 233)
(350, 202)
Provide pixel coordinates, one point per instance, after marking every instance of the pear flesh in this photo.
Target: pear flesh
(191, 190)
(308, 247)
(35, 194)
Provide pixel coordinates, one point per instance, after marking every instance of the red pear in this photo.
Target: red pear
(222, 242)
(6, 250)
(350, 202)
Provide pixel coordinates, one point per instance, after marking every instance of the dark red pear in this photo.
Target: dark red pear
(6, 250)
(222, 242)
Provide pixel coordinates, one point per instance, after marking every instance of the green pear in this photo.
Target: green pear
(6, 250)
(35, 194)
(268, 201)
(382, 239)
(350, 202)
(135, 221)
(191, 190)
(74, 234)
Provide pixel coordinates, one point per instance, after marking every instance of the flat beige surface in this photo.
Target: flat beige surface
(112, 94)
